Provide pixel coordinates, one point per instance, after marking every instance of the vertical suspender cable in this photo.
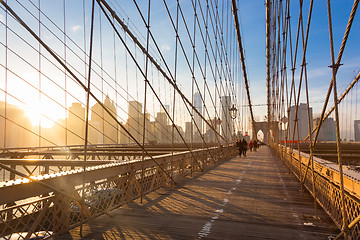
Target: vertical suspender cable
(6, 80)
(39, 90)
(311, 158)
(65, 77)
(192, 87)
(116, 92)
(334, 68)
(175, 79)
(145, 98)
(268, 19)
(241, 50)
(87, 106)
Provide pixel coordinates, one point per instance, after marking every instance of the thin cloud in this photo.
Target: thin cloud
(165, 47)
(76, 28)
(319, 72)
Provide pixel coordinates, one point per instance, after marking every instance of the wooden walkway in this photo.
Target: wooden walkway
(252, 197)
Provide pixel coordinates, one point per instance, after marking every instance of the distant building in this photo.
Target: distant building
(163, 132)
(178, 134)
(165, 109)
(357, 130)
(188, 131)
(123, 137)
(76, 125)
(103, 128)
(135, 120)
(327, 131)
(16, 128)
(210, 134)
(302, 117)
(149, 129)
(153, 137)
(226, 120)
(197, 118)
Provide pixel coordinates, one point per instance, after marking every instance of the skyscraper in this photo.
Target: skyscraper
(163, 132)
(302, 117)
(167, 108)
(197, 117)
(149, 129)
(327, 131)
(188, 131)
(76, 124)
(210, 135)
(357, 130)
(226, 120)
(103, 129)
(11, 134)
(135, 120)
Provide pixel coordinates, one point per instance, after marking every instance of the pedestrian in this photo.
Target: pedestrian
(239, 147)
(255, 145)
(251, 144)
(244, 145)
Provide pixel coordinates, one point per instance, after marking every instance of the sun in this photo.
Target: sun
(41, 114)
(41, 108)
(37, 118)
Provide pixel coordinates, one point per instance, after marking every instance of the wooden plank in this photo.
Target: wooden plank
(245, 198)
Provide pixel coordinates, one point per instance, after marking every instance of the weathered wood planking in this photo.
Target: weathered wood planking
(245, 198)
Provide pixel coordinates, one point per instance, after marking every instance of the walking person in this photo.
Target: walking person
(251, 144)
(255, 145)
(245, 146)
(239, 147)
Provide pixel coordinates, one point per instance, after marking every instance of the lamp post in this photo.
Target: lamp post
(233, 113)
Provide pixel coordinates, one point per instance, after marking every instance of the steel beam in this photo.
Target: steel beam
(53, 162)
(64, 181)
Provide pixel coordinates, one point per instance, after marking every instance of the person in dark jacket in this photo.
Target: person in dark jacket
(251, 144)
(255, 145)
(239, 147)
(244, 145)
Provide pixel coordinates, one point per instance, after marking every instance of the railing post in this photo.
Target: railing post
(12, 174)
(46, 169)
(61, 213)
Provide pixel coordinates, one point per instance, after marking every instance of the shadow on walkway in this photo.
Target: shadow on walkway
(252, 197)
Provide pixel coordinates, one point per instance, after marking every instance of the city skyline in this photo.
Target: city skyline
(318, 75)
(45, 91)
(103, 129)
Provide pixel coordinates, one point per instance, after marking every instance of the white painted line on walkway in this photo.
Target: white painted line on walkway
(206, 230)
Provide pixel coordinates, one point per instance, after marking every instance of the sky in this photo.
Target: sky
(53, 91)
(318, 54)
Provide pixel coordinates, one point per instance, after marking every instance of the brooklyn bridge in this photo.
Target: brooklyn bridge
(198, 119)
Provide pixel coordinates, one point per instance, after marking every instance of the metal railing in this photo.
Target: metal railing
(33, 208)
(327, 187)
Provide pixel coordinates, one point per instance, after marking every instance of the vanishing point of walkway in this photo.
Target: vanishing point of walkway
(252, 197)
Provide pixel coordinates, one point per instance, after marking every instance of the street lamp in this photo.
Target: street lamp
(233, 111)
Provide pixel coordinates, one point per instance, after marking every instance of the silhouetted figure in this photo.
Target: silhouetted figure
(239, 147)
(251, 144)
(256, 145)
(244, 145)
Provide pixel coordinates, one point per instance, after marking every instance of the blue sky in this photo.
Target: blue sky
(318, 54)
(77, 27)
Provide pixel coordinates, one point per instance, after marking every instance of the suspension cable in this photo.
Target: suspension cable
(241, 50)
